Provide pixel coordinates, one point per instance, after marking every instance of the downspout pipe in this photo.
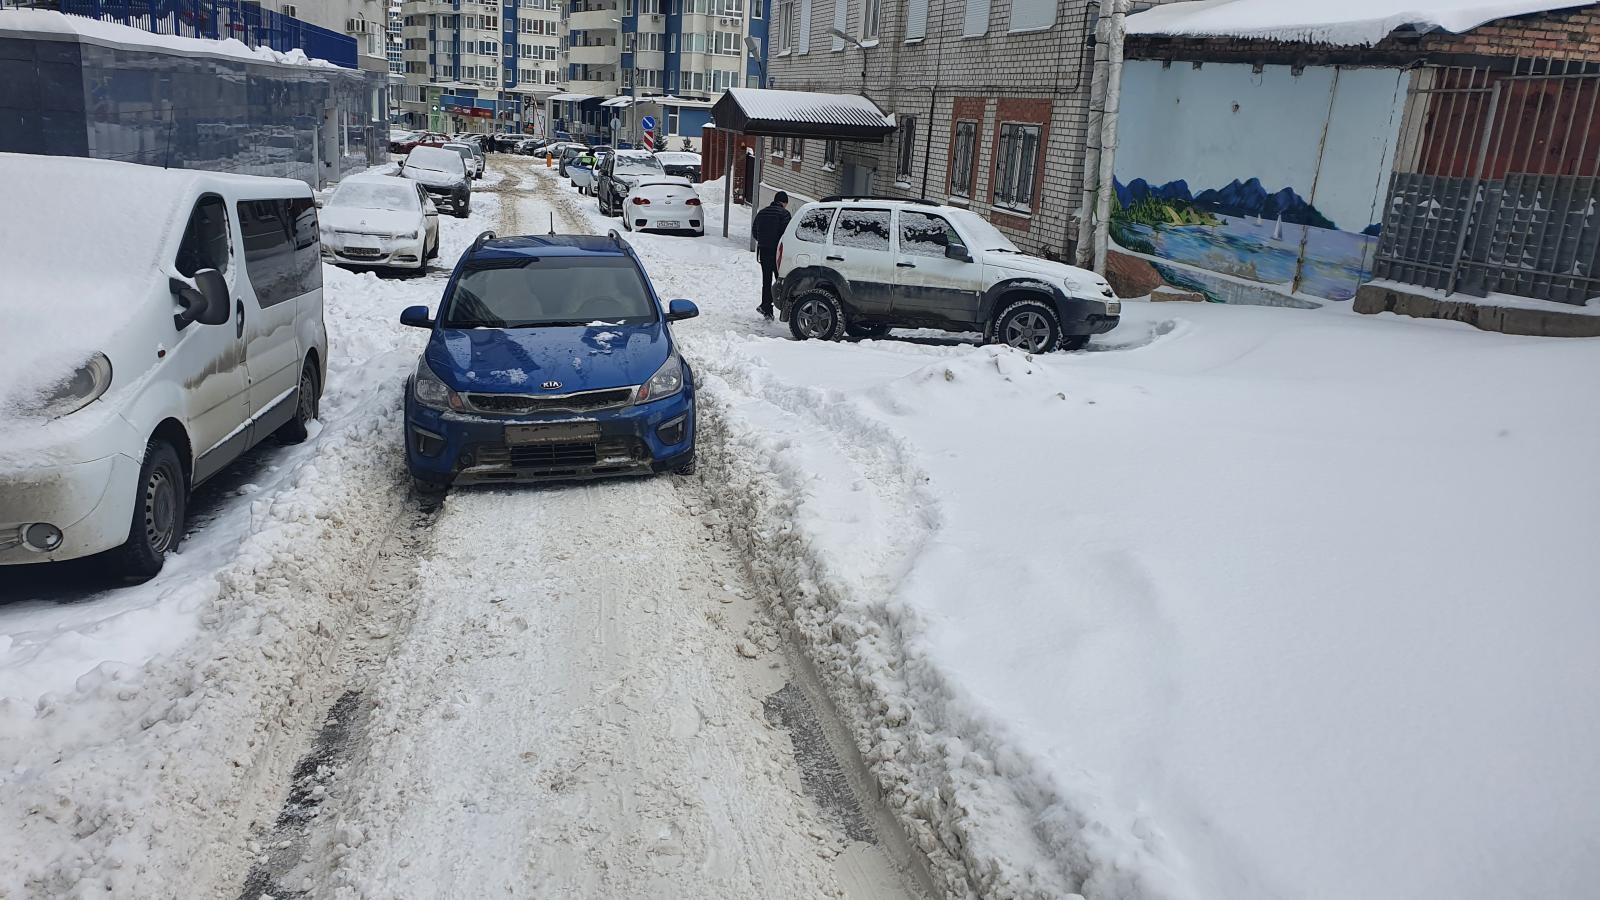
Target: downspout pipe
(1116, 35)
(1084, 256)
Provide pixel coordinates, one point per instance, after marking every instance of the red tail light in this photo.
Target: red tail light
(641, 201)
(694, 201)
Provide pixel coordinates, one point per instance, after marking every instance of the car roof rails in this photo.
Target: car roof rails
(837, 198)
(480, 240)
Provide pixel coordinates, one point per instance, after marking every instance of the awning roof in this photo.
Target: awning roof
(1346, 22)
(618, 101)
(803, 114)
(572, 98)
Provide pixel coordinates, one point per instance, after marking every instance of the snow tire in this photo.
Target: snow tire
(816, 315)
(158, 512)
(307, 405)
(1028, 325)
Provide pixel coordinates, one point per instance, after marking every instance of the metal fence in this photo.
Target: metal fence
(244, 21)
(1497, 180)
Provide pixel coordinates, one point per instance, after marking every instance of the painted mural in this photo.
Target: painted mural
(1241, 184)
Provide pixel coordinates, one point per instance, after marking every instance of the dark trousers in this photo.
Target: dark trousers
(769, 268)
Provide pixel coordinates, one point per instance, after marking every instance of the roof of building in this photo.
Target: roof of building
(82, 28)
(1341, 22)
(801, 114)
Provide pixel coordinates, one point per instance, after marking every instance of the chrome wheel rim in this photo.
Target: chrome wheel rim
(815, 318)
(1027, 331)
(160, 511)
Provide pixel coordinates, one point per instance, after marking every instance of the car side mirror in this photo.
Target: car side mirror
(416, 317)
(957, 253)
(206, 302)
(678, 310)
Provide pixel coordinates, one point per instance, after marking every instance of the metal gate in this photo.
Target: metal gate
(1495, 184)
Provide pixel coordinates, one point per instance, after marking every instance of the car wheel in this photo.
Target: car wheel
(308, 400)
(816, 315)
(158, 508)
(1029, 325)
(866, 331)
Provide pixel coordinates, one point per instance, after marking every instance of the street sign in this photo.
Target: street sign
(648, 123)
(615, 123)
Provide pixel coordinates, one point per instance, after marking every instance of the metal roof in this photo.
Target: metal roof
(848, 117)
(570, 98)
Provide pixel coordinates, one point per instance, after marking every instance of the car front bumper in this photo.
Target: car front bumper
(370, 250)
(1089, 323)
(472, 448)
(91, 504)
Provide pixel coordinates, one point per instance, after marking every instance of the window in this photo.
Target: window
(649, 7)
(841, 21)
(558, 289)
(786, 25)
(755, 9)
(780, 146)
(797, 148)
(1016, 164)
(672, 120)
(869, 19)
(1027, 15)
(205, 240)
(551, 76)
(730, 9)
(830, 154)
(925, 234)
(627, 8)
(976, 20)
(916, 20)
(908, 147)
(727, 43)
(863, 229)
(963, 155)
(488, 23)
(814, 225)
(281, 254)
(721, 80)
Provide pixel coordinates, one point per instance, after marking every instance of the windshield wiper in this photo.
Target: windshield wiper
(475, 323)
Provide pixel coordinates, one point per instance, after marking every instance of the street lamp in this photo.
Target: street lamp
(841, 35)
(753, 46)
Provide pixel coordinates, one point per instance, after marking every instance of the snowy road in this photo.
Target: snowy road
(569, 692)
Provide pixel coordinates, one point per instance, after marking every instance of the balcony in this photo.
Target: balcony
(594, 20)
(592, 56)
(605, 88)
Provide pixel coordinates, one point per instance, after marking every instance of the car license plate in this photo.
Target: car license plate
(368, 252)
(554, 433)
(669, 223)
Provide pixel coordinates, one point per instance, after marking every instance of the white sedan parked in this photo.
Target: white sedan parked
(663, 203)
(380, 220)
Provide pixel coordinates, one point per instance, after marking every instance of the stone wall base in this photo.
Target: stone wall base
(1373, 298)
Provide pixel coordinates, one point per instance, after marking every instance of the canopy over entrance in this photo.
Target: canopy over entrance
(801, 114)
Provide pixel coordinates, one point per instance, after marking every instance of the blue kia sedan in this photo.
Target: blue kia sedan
(550, 359)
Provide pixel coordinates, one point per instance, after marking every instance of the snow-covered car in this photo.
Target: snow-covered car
(618, 174)
(680, 163)
(146, 347)
(663, 204)
(380, 220)
(551, 357)
(472, 158)
(568, 153)
(416, 139)
(443, 173)
(860, 266)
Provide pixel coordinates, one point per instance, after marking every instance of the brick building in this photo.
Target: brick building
(992, 97)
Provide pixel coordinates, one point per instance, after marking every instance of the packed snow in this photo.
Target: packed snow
(42, 21)
(1343, 22)
(1238, 603)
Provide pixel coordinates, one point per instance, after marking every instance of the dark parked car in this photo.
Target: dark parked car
(681, 164)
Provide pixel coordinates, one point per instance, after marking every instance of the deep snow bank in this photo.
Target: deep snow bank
(1242, 612)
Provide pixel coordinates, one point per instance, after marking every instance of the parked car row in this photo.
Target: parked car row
(635, 186)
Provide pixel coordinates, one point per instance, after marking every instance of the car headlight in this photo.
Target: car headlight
(667, 380)
(431, 392)
(409, 236)
(83, 388)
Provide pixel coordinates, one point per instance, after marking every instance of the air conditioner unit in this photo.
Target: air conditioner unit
(655, 17)
(355, 26)
(288, 10)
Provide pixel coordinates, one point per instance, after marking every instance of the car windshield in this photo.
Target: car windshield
(436, 159)
(550, 291)
(983, 235)
(638, 165)
(369, 195)
(463, 149)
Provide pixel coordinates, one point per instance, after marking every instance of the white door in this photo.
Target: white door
(930, 286)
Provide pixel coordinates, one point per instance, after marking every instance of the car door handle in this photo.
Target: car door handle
(836, 259)
(238, 330)
(905, 265)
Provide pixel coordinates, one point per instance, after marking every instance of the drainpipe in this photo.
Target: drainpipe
(1116, 32)
(1091, 147)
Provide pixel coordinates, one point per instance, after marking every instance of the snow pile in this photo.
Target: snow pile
(142, 731)
(1222, 613)
(41, 21)
(1343, 22)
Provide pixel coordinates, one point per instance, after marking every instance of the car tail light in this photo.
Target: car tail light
(641, 201)
(694, 201)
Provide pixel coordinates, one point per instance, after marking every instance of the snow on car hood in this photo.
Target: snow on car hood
(73, 281)
(521, 360)
(374, 221)
(1077, 280)
(431, 177)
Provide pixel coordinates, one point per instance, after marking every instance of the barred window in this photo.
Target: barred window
(962, 158)
(1016, 163)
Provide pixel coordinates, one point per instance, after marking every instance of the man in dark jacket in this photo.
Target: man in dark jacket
(769, 226)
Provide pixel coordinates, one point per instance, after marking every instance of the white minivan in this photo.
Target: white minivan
(154, 325)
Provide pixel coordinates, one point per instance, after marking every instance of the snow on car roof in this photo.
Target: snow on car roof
(50, 22)
(1344, 22)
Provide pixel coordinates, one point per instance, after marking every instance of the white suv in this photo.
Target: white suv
(860, 266)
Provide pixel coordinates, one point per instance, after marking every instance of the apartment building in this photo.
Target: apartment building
(991, 98)
(367, 21)
(479, 65)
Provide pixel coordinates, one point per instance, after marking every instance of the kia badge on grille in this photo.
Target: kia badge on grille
(551, 385)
